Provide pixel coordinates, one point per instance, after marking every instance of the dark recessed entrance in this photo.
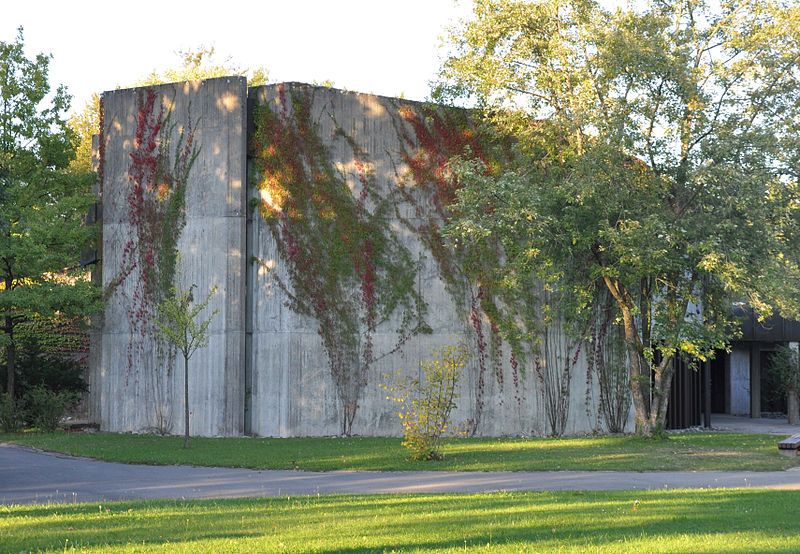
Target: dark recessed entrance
(773, 398)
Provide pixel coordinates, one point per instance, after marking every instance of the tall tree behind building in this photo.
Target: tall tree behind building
(41, 204)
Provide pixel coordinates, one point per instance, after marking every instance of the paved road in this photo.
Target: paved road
(30, 476)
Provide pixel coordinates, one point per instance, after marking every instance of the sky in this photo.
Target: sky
(375, 46)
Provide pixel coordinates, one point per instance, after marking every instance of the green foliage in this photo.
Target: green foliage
(785, 361)
(179, 320)
(657, 162)
(201, 64)
(84, 125)
(179, 324)
(346, 268)
(49, 354)
(11, 414)
(45, 407)
(426, 403)
(41, 205)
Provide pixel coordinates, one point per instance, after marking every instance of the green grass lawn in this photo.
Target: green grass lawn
(629, 521)
(683, 451)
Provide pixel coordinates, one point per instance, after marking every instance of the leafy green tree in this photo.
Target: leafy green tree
(659, 162)
(200, 64)
(179, 325)
(85, 124)
(785, 361)
(41, 205)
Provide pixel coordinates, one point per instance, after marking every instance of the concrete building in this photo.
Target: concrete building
(742, 381)
(266, 371)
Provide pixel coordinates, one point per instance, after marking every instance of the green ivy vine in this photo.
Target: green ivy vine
(346, 269)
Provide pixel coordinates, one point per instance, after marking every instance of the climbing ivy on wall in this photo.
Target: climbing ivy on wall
(154, 209)
(433, 137)
(345, 268)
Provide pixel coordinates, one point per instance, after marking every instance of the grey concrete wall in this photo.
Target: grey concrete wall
(145, 394)
(740, 379)
(292, 392)
(265, 371)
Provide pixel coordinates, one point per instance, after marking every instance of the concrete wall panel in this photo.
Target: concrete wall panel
(136, 385)
(740, 380)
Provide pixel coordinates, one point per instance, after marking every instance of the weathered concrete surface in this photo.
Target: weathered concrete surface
(740, 380)
(265, 371)
(136, 391)
(292, 391)
(34, 477)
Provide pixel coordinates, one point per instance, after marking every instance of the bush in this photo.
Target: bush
(36, 366)
(44, 408)
(786, 366)
(11, 419)
(427, 404)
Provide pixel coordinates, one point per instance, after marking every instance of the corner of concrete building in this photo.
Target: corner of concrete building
(212, 249)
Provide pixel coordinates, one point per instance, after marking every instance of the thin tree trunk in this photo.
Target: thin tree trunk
(186, 401)
(11, 357)
(640, 384)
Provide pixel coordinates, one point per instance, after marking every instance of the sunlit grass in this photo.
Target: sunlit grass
(620, 521)
(684, 451)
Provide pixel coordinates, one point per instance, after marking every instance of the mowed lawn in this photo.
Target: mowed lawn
(742, 520)
(572, 521)
(681, 451)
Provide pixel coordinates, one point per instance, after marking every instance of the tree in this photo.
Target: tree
(178, 324)
(785, 361)
(41, 205)
(85, 124)
(200, 64)
(659, 150)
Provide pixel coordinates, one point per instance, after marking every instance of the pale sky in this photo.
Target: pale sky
(375, 46)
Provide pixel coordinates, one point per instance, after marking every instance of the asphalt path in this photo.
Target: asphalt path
(32, 476)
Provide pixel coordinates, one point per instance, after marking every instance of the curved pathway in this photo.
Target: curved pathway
(31, 476)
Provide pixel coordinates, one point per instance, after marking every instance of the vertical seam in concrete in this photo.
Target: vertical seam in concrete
(250, 279)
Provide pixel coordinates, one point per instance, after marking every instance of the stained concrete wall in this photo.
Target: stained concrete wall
(137, 391)
(292, 392)
(740, 379)
(265, 371)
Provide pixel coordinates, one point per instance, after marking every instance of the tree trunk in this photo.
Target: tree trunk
(640, 384)
(662, 382)
(186, 401)
(347, 421)
(650, 410)
(11, 358)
